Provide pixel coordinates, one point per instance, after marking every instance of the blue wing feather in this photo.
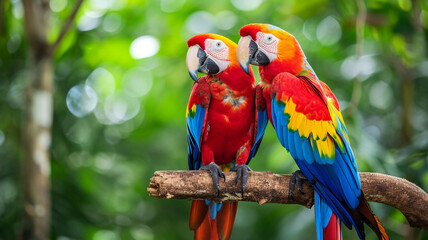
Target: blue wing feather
(298, 145)
(308, 154)
(261, 120)
(337, 182)
(261, 123)
(291, 147)
(194, 132)
(195, 121)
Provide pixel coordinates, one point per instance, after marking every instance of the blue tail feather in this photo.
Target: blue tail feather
(213, 208)
(322, 215)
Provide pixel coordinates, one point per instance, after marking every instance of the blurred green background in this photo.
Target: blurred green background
(122, 88)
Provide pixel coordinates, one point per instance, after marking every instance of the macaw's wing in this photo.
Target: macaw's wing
(261, 120)
(196, 117)
(302, 116)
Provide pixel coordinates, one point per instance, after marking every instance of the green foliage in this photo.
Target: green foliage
(102, 162)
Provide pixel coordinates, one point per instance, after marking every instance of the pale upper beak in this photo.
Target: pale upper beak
(198, 61)
(243, 53)
(248, 52)
(193, 61)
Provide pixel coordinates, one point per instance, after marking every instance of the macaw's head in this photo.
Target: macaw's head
(270, 47)
(210, 54)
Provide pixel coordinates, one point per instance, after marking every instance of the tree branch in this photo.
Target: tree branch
(66, 26)
(267, 187)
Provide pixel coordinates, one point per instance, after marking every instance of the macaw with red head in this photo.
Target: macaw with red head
(225, 126)
(307, 120)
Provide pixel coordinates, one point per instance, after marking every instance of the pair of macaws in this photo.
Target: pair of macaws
(227, 115)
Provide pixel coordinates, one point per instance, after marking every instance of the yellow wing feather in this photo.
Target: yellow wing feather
(323, 133)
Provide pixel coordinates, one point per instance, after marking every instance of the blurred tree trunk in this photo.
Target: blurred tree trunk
(417, 50)
(38, 122)
(38, 115)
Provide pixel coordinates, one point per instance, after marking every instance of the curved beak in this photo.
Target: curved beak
(248, 52)
(244, 53)
(195, 55)
(198, 61)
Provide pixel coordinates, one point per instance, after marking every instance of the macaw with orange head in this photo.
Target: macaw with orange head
(224, 126)
(308, 123)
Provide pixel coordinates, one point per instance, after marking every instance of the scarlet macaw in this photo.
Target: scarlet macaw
(308, 123)
(224, 129)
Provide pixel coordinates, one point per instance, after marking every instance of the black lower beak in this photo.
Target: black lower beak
(206, 64)
(257, 56)
(202, 56)
(209, 67)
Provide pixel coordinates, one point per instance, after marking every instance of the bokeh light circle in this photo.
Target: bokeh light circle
(144, 47)
(81, 100)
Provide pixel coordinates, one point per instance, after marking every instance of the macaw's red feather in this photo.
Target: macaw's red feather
(221, 128)
(229, 125)
(200, 94)
(260, 100)
(206, 228)
(198, 211)
(370, 219)
(251, 30)
(330, 94)
(333, 229)
(225, 219)
(307, 97)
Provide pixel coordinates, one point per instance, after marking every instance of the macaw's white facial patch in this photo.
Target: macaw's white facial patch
(217, 49)
(218, 52)
(268, 43)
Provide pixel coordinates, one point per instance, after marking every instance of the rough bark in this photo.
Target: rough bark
(267, 187)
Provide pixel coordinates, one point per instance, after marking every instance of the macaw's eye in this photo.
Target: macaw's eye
(218, 45)
(269, 38)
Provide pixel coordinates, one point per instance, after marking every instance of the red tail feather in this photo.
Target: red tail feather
(198, 211)
(207, 229)
(225, 219)
(333, 230)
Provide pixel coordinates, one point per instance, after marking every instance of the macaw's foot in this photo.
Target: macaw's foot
(241, 171)
(296, 178)
(215, 173)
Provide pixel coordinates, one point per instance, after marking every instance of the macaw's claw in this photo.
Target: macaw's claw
(215, 173)
(241, 171)
(296, 178)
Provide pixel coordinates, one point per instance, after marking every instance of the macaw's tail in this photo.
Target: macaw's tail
(370, 219)
(333, 230)
(327, 223)
(212, 221)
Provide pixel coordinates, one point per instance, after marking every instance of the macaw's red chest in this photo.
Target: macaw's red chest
(230, 125)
